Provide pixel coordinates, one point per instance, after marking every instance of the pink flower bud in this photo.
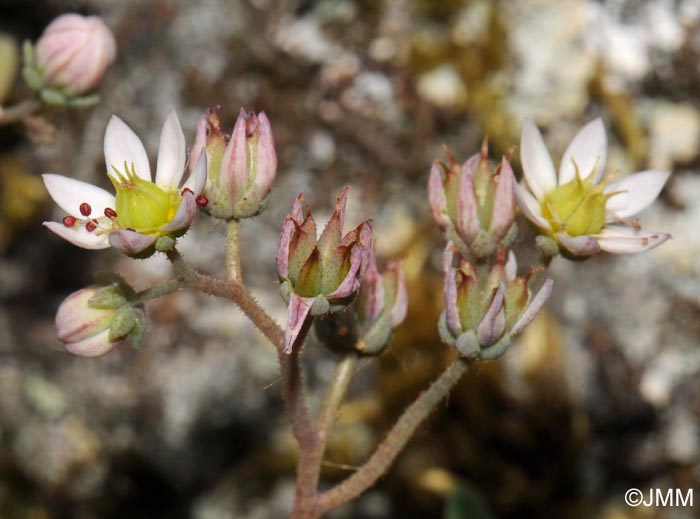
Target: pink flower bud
(383, 291)
(82, 328)
(74, 51)
(474, 204)
(319, 274)
(482, 315)
(367, 325)
(242, 169)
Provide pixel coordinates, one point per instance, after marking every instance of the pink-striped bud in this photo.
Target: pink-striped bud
(84, 329)
(323, 274)
(474, 204)
(73, 53)
(242, 168)
(482, 315)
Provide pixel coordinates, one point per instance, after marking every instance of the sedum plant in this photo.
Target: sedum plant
(331, 280)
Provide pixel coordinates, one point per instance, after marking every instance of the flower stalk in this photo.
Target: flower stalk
(156, 291)
(231, 290)
(290, 368)
(234, 268)
(19, 111)
(394, 442)
(311, 462)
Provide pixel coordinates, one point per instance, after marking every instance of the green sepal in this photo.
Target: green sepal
(139, 330)
(110, 278)
(123, 322)
(320, 306)
(32, 78)
(467, 345)
(496, 350)
(165, 243)
(85, 101)
(286, 291)
(444, 331)
(547, 246)
(483, 245)
(378, 337)
(28, 54)
(52, 97)
(109, 297)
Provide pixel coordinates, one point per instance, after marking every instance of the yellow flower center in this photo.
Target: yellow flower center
(577, 207)
(142, 205)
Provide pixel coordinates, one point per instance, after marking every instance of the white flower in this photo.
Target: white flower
(142, 210)
(582, 211)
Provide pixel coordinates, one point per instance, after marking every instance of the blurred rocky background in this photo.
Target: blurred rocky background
(601, 394)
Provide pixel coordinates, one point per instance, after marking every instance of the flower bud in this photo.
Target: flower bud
(323, 274)
(367, 325)
(73, 53)
(474, 204)
(84, 328)
(241, 169)
(484, 310)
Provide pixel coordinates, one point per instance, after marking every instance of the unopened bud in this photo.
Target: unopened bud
(319, 274)
(73, 53)
(367, 325)
(84, 328)
(474, 204)
(242, 168)
(484, 310)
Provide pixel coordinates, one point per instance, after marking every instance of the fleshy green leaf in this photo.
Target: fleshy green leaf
(466, 503)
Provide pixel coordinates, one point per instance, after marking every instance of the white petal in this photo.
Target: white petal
(123, 145)
(467, 205)
(450, 291)
(530, 207)
(511, 267)
(69, 193)
(639, 190)
(80, 236)
(171, 154)
(492, 325)
(436, 196)
(130, 242)
(533, 307)
(537, 164)
(621, 239)
(297, 313)
(585, 245)
(198, 178)
(504, 201)
(186, 212)
(92, 346)
(588, 150)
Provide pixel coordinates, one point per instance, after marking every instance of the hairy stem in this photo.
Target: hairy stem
(310, 463)
(394, 442)
(233, 250)
(172, 285)
(232, 290)
(18, 112)
(295, 398)
(290, 369)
